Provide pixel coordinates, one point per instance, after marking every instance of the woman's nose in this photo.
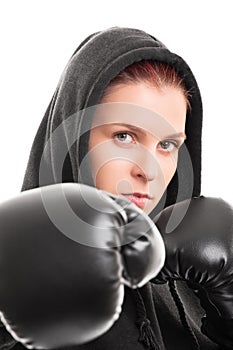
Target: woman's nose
(146, 166)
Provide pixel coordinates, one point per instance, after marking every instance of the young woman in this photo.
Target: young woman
(126, 118)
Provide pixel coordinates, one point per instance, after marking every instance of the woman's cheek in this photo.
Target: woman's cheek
(112, 177)
(168, 166)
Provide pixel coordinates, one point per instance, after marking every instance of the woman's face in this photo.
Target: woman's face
(138, 160)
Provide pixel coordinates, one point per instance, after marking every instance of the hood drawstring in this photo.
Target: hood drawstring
(183, 318)
(146, 334)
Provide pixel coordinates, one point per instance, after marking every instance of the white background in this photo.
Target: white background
(38, 38)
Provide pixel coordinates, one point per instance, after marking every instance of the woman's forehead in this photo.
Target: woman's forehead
(137, 118)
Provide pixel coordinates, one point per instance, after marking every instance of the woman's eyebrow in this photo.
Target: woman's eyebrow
(135, 128)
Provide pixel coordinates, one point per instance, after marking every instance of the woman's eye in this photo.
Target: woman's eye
(123, 137)
(168, 146)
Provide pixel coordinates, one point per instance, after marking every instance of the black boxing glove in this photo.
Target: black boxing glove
(66, 251)
(200, 251)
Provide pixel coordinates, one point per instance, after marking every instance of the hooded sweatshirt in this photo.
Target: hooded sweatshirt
(155, 316)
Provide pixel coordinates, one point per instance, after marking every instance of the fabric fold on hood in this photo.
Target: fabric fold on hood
(98, 59)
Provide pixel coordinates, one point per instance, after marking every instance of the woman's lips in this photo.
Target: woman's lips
(139, 201)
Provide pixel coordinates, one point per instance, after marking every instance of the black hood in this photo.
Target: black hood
(97, 60)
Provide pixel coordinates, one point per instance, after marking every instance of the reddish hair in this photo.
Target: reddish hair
(157, 74)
